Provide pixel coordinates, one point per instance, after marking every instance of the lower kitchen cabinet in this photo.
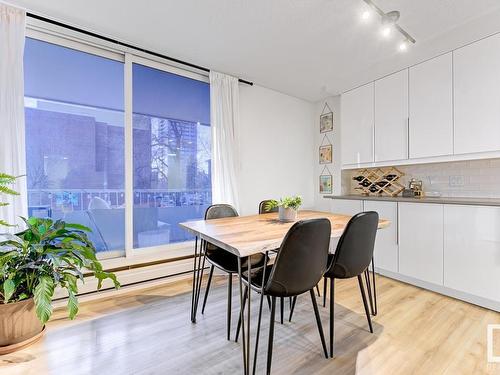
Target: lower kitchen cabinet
(347, 206)
(421, 241)
(386, 243)
(472, 250)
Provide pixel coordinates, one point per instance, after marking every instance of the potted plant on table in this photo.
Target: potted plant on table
(46, 255)
(287, 207)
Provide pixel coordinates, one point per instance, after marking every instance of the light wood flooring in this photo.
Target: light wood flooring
(149, 332)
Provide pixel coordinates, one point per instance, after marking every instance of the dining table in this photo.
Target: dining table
(244, 236)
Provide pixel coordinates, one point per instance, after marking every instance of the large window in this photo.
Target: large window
(76, 137)
(171, 154)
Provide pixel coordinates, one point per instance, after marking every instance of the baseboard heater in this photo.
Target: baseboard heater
(139, 275)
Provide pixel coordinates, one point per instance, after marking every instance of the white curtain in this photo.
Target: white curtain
(224, 118)
(12, 146)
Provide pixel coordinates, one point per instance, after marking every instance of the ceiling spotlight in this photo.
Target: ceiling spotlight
(386, 31)
(403, 46)
(365, 15)
(389, 21)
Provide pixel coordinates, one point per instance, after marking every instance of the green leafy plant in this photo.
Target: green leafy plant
(48, 254)
(5, 181)
(287, 202)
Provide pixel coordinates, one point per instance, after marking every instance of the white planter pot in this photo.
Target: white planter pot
(287, 214)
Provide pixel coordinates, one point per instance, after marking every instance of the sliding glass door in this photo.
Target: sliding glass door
(131, 170)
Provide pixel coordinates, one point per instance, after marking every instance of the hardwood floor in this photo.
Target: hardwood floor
(149, 332)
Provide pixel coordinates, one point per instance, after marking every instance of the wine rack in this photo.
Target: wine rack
(379, 181)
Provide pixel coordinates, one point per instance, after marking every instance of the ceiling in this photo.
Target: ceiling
(306, 48)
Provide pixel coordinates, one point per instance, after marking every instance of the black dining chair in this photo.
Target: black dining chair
(224, 260)
(352, 258)
(263, 210)
(300, 263)
(372, 295)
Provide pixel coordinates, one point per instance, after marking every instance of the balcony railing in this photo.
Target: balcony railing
(155, 217)
(79, 199)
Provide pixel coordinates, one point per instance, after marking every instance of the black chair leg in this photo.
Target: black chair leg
(324, 291)
(317, 290)
(294, 299)
(229, 297)
(238, 327)
(374, 289)
(369, 289)
(207, 289)
(318, 322)
(269, 302)
(365, 303)
(282, 308)
(271, 336)
(332, 315)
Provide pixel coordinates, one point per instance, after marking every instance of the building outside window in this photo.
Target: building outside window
(75, 146)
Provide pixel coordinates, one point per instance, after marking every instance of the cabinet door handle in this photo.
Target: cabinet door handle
(408, 137)
(397, 224)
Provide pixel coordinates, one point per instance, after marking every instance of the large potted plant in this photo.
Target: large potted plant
(287, 207)
(46, 255)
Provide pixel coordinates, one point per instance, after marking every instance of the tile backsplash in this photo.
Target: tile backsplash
(475, 178)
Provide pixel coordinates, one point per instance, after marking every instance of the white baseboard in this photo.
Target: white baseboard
(470, 298)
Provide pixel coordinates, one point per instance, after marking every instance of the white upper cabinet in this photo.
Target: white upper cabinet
(357, 125)
(391, 117)
(431, 108)
(477, 96)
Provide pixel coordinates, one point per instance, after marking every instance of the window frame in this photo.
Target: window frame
(65, 38)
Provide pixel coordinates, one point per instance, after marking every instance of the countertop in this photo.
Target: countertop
(440, 200)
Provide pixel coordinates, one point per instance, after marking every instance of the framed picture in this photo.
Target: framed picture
(325, 154)
(325, 184)
(326, 122)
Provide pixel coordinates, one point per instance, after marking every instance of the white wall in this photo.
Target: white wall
(276, 148)
(334, 136)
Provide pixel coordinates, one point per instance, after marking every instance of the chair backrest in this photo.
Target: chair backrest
(262, 207)
(355, 248)
(218, 211)
(301, 260)
(97, 203)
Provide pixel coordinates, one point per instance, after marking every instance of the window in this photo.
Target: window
(172, 152)
(75, 140)
(75, 145)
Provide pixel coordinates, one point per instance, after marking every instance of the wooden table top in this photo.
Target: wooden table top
(247, 235)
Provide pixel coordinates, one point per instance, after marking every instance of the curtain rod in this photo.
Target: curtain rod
(111, 40)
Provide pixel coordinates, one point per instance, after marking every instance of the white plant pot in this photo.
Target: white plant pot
(287, 214)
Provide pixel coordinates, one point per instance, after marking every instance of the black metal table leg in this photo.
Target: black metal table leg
(369, 288)
(242, 317)
(248, 315)
(374, 289)
(260, 315)
(198, 279)
(201, 268)
(195, 283)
